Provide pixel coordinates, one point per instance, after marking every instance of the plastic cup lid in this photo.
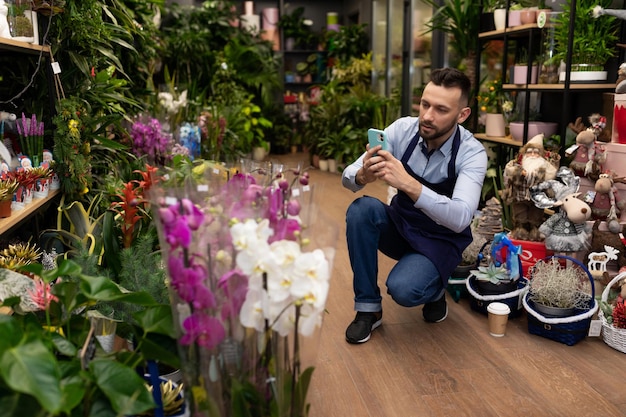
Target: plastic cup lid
(498, 308)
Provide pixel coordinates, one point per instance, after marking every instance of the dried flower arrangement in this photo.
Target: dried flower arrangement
(555, 285)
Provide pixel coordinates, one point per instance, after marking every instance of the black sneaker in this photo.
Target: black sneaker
(437, 311)
(360, 330)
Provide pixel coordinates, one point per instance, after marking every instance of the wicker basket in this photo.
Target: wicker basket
(613, 336)
(479, 302)
(568, 330)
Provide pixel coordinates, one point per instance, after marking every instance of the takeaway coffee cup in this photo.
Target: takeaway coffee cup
(498, 314)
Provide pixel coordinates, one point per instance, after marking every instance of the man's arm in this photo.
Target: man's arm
(457, 212)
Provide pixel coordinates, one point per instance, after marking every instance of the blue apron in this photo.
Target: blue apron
(438, 243)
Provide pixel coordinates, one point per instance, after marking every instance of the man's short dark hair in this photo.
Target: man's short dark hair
(450, 78)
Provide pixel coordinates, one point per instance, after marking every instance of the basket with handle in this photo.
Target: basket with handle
(569, 329)
(479, 302)
(612, 336)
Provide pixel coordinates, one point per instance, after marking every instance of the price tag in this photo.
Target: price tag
(203, 188)
(56, 68)
(595, 328)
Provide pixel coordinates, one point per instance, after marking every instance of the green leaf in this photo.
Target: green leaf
(124, 388)
(157, 319)
(31, 369)
(63, 346)
(10, 332)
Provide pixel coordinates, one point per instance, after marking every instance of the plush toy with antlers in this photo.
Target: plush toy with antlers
(605, 201)
(588, 154)
(567, 229)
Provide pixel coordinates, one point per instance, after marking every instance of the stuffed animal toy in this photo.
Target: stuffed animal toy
(532, 166)
(588, 155)
(602, 238)
(567, 229)
(605, 201)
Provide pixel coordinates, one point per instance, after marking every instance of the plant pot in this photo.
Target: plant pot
(332, 165)
(582, 76)
(549, 311)
(489, 288)
(520, 74)
(462, 271)
(5, 208)
(515, 18)
(528, 16)
(258, 153)
(323, 164)
(494, 125)
(499, 19)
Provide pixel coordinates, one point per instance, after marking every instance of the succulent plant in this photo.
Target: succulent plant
(492, 273)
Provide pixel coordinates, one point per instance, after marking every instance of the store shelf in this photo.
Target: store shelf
(13, 45)
(559, 87)
(19, 216)
(503, 140)
(521, 30)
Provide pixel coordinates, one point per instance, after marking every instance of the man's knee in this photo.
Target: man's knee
(361, 208)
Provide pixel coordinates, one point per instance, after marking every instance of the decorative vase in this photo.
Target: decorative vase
(499, 19)
(494, 125)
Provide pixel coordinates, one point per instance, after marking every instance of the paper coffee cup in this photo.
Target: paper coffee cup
(498, 314)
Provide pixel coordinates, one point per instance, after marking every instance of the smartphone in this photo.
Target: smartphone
(377, 137)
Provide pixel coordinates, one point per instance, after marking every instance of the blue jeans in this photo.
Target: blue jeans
(413, 281)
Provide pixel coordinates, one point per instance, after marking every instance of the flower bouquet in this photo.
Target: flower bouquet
(248, 285)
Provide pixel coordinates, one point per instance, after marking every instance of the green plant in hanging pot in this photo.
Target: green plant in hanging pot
(594, 39)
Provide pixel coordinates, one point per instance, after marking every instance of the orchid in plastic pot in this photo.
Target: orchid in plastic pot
(249, 273)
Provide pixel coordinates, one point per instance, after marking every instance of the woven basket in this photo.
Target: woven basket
(479, 302)
(568, 330)
(613, 336)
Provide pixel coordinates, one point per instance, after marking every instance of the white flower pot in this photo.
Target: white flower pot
(499, 18)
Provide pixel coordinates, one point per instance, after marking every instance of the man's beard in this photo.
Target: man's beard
(436, 133)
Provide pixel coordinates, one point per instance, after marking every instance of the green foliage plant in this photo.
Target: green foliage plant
(594, 40)
(44, 369)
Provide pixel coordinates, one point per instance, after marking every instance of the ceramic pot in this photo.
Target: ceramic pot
(499, 19)
(528, 16)
(323, 164)
(494, 125)
(515, 18)
(5, 208)
(520, 74)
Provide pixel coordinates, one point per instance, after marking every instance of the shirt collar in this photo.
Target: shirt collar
(445, 149)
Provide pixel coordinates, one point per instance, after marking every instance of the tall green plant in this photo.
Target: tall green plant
(594, 38)
(461, 20)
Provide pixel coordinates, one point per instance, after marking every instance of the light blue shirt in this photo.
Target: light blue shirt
(457, 212)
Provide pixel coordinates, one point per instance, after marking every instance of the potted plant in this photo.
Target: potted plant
(593, 44)
(558, 290)
(7, 189)
(461, 20)
(493, 279)
(297, 31)
(56, 346)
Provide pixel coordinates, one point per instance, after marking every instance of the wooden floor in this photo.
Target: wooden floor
(454, 368)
